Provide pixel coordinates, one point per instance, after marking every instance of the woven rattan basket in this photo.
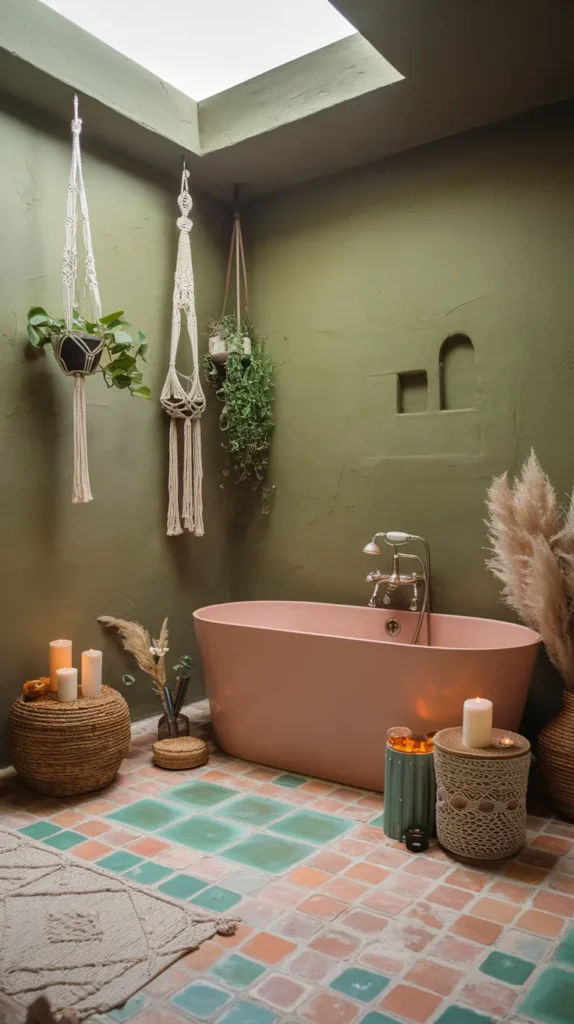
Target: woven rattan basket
(556, 757)
(185, 752)
(63, 749)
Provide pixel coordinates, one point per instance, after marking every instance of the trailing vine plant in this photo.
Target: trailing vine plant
(244, 384)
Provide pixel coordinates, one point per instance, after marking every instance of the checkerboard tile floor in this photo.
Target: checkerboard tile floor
(339, 924)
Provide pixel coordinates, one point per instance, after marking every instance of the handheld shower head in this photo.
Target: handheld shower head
(393, 537)
(371, 549)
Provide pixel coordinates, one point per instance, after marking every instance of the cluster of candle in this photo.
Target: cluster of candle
(64, 677)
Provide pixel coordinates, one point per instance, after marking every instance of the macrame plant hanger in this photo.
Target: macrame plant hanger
(182, 397)
(78, 355)
(237, 254)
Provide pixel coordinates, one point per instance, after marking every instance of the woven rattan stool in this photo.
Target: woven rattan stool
(185, 752)
(65, 749)
(481, 795)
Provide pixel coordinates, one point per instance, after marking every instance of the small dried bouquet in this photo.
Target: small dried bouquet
(532, 541)
(150, 656)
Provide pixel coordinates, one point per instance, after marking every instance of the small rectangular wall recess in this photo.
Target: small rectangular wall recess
(412, 391)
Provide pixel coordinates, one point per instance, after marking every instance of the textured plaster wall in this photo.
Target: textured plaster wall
(362, 276)
(63, 565)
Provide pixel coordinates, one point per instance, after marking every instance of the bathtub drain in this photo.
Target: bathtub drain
(393, 627)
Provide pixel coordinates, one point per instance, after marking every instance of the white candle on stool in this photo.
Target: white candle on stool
(477, 722)
(91, 673)
(67, 684)
(60, 657)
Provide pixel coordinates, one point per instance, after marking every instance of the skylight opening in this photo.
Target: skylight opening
(203, 47)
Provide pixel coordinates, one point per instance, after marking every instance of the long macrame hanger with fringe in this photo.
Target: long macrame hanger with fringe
(182, 396)
(237, 253)
(76, 190)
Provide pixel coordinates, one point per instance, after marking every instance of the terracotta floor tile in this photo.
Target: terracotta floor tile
(552, 844)
(277, 990)
(93, 827)
(368, 834)
(407, 885)
(329, 861)
(212, 868)
(99, 806)
(92, 849)
(285, 896)
(241, 933)
(494, 910)
(384, 902)
(330, 806)
(432, 915)
(374, 802)
(491, 997)
(308, 878)
(325, 1008)
(336, 944)
(311, 966)
(372, 874)
(364, 921)
(477, 930)
(67, 819)
(170, 981)
(552, 903)
(352, 848)
(201, 959)
(434, 976)
(148, 846)
(177, 857)
(426, 867)
(413, 1004)
(324, 907)
(451, 897)
(345, 889)
(563, 883)
(346, 796)
(474, 881)
(383, 960)
(560, 828)
(402, 936)
(538, 858)
(120, 837)
(525, 873)
(262, 774)
(258, 913)
(299, 927)
(386, 856)
(512, 891)
(317, 788)
(540, 923)
(270, 949)
(457, 951)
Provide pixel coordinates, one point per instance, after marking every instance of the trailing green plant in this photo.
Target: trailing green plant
(245, 386)
(121, 368)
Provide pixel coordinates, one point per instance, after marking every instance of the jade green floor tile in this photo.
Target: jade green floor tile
(64, 840)
(119, 860)
(40, 829)
(551, 998)
(245, 1012)
(237, 971)
(181, 887)
(254, 810)
(312, 827)
(148, 873)
(360, 984)
(201, 1000)
(374, 1017)
(507, 968)
(565, 952)
(289, 781)
(270, 853)
(217, 898)
(461, 1015)
(203, 833)
(378, 821)
(129, 1010)
(147, 815)
(199, 794)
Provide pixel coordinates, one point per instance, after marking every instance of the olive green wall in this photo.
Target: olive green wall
(359, 277)
(64, 564)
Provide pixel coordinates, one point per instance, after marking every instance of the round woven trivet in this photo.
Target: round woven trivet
(62, 749)
(185, 752)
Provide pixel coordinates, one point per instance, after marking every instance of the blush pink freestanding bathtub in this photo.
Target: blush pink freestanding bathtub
(313, 688)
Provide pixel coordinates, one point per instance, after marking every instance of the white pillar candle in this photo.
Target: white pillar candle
(60, 657)
(67, 684)
(91, 673)
(477, 722)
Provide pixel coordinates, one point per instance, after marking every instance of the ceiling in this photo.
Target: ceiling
(418, 71)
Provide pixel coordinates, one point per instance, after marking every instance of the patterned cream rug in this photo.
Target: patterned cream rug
(77, 940)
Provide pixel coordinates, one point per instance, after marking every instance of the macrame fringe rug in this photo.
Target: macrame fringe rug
(76, 940)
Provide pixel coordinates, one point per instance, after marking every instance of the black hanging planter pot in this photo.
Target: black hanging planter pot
(78, 353)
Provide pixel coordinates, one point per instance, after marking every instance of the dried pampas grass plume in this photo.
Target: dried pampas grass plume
(136, 640)
(532, 554)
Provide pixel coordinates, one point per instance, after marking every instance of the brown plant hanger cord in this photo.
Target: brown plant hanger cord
(244, 382)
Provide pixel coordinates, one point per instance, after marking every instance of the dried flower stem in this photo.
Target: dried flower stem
(136, 640)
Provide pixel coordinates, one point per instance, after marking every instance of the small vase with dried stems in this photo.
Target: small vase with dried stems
(532, 542)
(150, 656)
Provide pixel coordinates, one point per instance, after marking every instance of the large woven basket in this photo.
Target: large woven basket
(63, 749)
(556, 757)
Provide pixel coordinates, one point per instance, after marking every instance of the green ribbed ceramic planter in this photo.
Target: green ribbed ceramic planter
(410, 793)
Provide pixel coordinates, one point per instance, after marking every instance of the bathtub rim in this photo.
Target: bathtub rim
(532, 638)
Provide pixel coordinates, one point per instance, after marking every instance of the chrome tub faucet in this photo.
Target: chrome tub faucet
(396, 578)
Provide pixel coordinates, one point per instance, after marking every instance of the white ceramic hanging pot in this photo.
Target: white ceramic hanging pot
(217, 349)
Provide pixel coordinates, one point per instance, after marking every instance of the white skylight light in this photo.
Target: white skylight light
(205, 46)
